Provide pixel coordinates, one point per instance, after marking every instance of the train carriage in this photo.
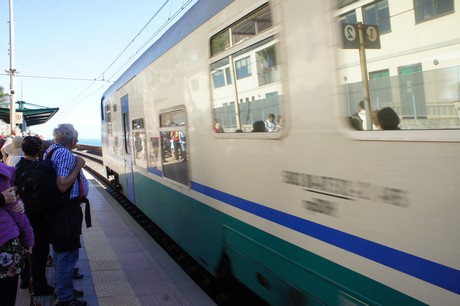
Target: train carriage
(312, 213)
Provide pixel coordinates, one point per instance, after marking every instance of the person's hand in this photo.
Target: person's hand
(80, 162)
(10, 195)
(18, 207)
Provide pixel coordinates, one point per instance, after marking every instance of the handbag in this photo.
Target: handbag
(11, 258)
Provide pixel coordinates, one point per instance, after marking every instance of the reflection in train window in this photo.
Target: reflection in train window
(173, 142)
(108, 118)
(249, 26)
(421, 95)
(246, 83)
(139, 142)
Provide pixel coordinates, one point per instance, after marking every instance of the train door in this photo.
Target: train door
(129, 192)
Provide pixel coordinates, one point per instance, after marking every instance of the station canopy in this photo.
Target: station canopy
(32, 114)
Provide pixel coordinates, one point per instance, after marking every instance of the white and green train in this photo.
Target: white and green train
(311, 213)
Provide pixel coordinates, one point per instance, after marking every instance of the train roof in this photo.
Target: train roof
(198, 14)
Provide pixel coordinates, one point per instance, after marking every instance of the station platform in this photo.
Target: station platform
(122, 264)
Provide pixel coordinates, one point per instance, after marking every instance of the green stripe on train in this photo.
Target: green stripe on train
(278, 271)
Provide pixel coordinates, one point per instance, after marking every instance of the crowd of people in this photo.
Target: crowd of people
(26, 232)
(384, 119)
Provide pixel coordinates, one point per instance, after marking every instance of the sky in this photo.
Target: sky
(69, 52)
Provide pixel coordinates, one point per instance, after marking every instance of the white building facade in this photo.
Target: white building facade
(417, 69)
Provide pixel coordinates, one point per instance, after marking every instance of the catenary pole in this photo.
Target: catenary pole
(12, 70)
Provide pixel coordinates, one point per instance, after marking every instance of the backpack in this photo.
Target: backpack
(38, 189)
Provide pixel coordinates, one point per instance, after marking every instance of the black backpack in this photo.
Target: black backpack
(38, 189)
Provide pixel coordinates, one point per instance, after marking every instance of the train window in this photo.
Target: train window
(108, 118)
(252, 25)
(173, 142)
(138, 124)
(418, 99)
(220, 42)
(247, 92)
(139, 141)
(252, 91)
(249, 26)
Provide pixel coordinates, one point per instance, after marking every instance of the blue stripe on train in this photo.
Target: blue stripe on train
(429, 271)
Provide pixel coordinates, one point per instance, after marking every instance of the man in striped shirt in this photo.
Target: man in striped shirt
(65, 223)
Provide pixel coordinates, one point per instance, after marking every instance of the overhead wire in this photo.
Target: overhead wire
(101, 76)
(160, 29)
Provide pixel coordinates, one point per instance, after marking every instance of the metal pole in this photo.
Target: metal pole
(363, 61)
(12, 70)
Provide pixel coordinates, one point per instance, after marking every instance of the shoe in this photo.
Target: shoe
(76, 293)
(73, 302)
(77, 275)
(44, 291)
(24, 284)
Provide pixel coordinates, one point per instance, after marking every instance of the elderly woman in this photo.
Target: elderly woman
(14, 151)
(15, 235)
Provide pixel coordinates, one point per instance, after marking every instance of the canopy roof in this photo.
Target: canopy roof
(32, 114)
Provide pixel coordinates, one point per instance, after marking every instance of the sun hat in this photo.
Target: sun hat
(14, 148)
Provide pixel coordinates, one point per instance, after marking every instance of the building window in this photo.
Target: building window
(430, 9)
(243, 68)
(218, 78)
(343, 3)
(349, 17)
(267, 65)
(378, 14)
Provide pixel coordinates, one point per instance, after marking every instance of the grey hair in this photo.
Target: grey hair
(64, 133)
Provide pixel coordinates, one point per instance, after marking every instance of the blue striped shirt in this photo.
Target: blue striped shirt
(64, 162)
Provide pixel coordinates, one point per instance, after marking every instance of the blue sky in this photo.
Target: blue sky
(56, 39)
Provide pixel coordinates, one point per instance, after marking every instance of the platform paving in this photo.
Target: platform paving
(122, 264)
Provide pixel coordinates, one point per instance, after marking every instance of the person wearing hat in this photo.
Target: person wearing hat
(8, 140)
(14, 151)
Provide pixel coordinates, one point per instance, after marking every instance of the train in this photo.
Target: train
(305, 211)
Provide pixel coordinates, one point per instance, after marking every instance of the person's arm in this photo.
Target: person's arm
(7, 196)
(65, 182)
(10, 200)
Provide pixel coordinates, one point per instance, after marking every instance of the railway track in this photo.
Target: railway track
(226, 293)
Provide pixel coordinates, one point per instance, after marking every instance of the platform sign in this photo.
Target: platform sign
(18, 118)
(371, 36)
(350, 36)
